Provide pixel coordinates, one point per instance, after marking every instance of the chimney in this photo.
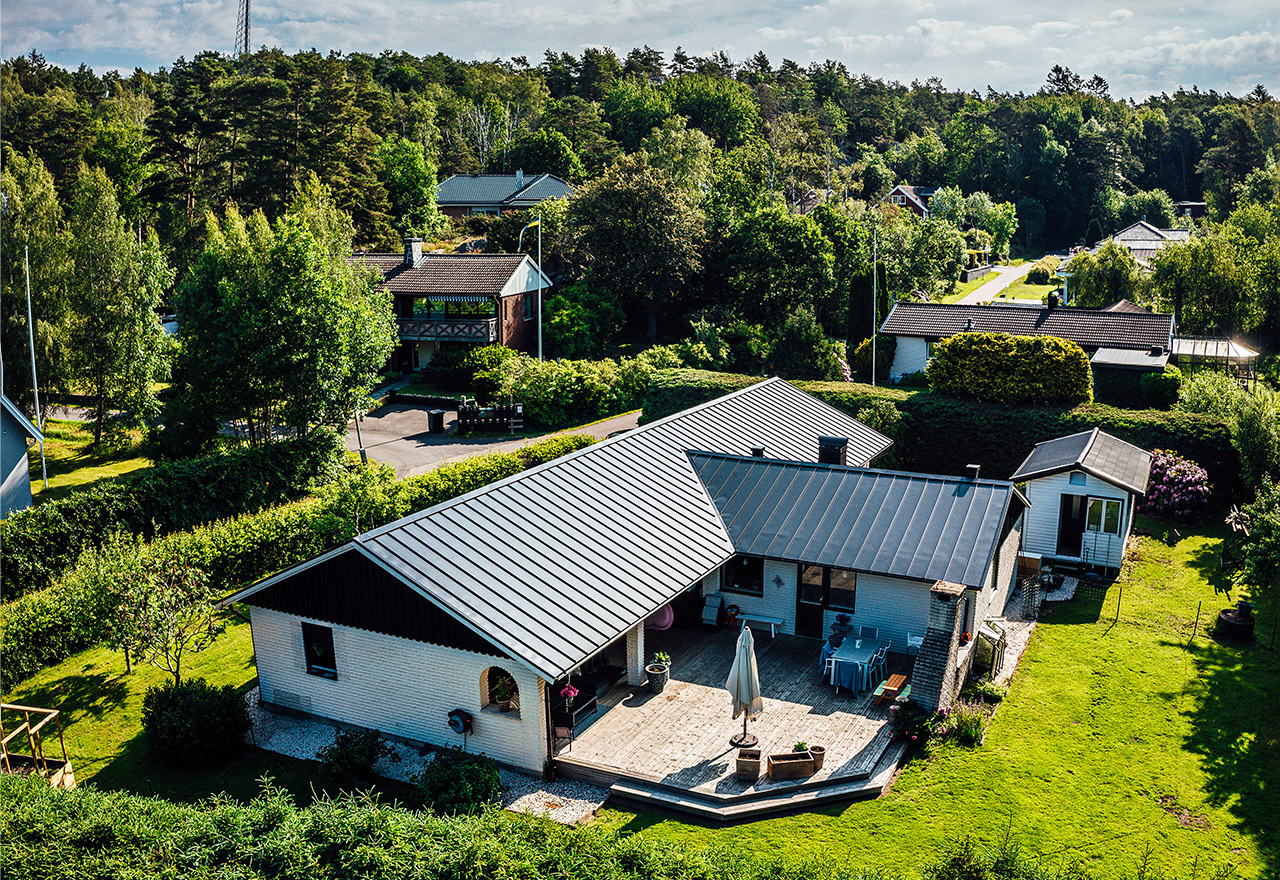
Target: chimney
(833, 450)
(757, 452)
(412, 251)
(1053, 300)
(971, 471)
(520, 180)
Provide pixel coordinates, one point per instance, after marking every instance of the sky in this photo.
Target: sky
(1140, 49)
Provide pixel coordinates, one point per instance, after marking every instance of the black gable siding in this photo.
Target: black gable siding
(351, 590)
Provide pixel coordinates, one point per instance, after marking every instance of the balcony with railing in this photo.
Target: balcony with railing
(451, 329)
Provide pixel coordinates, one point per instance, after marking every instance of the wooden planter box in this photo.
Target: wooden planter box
(748, 764)
(791, 765)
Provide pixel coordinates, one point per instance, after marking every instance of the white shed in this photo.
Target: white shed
(1083, 491)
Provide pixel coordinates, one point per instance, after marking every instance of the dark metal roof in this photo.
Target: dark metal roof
(462, 274)
(553, 564)
(496, 190)
(1129, 359)
(1088, 328)
(23, 422)
(1095, 452)
(919, 526)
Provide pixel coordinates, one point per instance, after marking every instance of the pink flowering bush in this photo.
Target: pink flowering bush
(1178, 489)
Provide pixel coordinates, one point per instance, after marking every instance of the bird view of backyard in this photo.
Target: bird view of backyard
(839, 449)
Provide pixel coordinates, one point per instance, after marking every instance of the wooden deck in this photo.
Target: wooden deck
(679, 739)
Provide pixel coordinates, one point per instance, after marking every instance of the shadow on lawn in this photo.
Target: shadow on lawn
(91, 694)
(1235, 728)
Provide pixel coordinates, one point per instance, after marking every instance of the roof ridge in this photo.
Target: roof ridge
(815, 465)
(1088, 447)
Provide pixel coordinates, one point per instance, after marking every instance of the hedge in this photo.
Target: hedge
(88, 832)
(1137, 388)
(1011, 369)
(671, 391)
(41, 542)
(47, 626)
(1044, 270)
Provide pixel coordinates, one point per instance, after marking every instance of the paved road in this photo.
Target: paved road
(396, 434)
(1005, 275)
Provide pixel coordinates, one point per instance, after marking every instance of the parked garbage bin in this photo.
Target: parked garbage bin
(435, 421)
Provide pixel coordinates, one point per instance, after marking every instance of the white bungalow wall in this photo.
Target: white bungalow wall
(400, 687)
(1045, 495)
(910, 356)
(893, 605)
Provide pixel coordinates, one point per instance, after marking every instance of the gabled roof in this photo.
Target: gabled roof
(499, 190)
(917, 195)
(1090, 328)
(25, 423)
(1144, 240)
(553, 564)
(1094, 452)
(908, 525)
(474, 274)
(1126, 305)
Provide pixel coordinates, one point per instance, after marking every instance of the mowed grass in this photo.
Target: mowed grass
(1116, 743)
(73, 463)
(101, 718)
(1027, 291)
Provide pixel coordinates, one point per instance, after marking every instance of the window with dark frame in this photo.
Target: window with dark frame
(528, 306)
(833, 588)
(317, 645)
(843, 590)
(744, 574)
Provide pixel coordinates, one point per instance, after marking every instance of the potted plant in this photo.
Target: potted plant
(840, 628)
(503, 692)
(819, 754)
(568, 692)
(659, 671)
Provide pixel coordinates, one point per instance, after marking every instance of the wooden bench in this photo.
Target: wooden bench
(772, 622)
(889, 690)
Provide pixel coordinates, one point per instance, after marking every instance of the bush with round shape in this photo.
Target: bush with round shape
(1178, 488)
(194, 723)
(353, 753)
(458, 782)
(1011, 369)
(482, 366)
(860, 358)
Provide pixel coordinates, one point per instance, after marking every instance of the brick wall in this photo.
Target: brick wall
(934, 681)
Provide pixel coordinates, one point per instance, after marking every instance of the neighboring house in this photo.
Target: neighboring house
(1144, 241)
(913, 198)
(916, 326)
(464, 195)
(1083, 491)
(1194, 210)
(474, 299)
(540, 575)
(16, 435)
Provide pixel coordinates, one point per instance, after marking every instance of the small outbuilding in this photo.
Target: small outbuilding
(1083, 491)
(17, 433)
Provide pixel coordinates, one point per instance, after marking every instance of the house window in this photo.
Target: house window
(843, 585)
(899, 200)
(528, 306)
(829, 587)
(498, 689)
(1077, 479)
(744, 574)
(317, 645)
(1104, 516)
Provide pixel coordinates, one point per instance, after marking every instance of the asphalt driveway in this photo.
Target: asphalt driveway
(396, 434)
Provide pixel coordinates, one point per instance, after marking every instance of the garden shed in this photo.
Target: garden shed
(1083, 491)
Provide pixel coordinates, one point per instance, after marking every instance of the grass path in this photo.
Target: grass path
(1111, 731)
(73, 464)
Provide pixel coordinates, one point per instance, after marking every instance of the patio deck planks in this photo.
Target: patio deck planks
(680, 738)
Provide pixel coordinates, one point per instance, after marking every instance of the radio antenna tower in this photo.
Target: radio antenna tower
(242, 29)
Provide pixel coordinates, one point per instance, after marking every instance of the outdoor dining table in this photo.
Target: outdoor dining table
(851, 659)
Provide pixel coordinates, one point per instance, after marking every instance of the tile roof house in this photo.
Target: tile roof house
(1084, 490)
(1143, 240)
(913, 198)
(537, 576)
(17, 433)
(917, 325)
(470, 299)
(463, 195)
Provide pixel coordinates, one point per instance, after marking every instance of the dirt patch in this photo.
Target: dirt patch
(1185, 817)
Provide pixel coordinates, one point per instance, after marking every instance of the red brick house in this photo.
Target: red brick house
(464, 195)
(913, 198)
(469, 299)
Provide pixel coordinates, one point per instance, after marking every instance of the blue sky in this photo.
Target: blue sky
(1139, 49)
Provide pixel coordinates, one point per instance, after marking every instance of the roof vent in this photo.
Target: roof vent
(968, 325)
(757, 452)
(971, 471)
(1053, 300)
(833, 450)
(1156, 350)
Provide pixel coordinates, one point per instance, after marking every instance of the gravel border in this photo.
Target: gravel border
(564, 801)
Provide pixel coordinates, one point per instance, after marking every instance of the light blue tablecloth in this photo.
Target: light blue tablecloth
(851, 660)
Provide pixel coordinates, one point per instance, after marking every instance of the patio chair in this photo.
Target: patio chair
(877, 667)
(564, 735)
(913, 644)
(829, 672)
(869, 632)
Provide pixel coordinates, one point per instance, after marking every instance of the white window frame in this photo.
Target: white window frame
(1105, 505)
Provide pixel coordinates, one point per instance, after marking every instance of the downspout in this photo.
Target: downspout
(549, 765)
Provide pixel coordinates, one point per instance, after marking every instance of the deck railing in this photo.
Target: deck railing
(450, 329)
(34, 739)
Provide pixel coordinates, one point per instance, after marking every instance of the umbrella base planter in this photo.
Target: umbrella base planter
(748, 766)
(791, 765)
(659, 674)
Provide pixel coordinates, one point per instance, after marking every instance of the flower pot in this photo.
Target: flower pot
(748, 766)
(504, 705)
(659, 674)
(819, 754)
(790, 765)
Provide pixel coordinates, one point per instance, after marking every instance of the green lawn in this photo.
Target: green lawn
(1111, 731)
(963, 290)
(73, 463)
(102, 724)
(1025, 290)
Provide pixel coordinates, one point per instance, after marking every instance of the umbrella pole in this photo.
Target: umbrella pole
(743, 740)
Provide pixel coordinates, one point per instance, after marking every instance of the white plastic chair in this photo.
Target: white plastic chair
(876, 667)
(869, 632)
(829, 671)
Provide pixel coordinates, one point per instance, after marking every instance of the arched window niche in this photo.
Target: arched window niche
(499, 692)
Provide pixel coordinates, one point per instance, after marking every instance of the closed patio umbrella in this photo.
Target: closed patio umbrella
(743, 685)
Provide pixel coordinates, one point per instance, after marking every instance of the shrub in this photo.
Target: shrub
(1043, 270)
(967, 722)
(457, 782)
(194, 723)
(445, 368)
(918, 379)
(1011, 369)
(802, 351)
(353, 753)
(1211, 393)
(986, 690)
(1160, 390)
(482, 367)
(860, 358)
(1179, 489)
(910, 722)
(43, 541)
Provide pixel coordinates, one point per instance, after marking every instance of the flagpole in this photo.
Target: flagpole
(31, 336)
(539, 285)
(875, 296)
